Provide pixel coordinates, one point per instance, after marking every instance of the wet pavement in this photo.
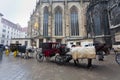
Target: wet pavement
(29, 69)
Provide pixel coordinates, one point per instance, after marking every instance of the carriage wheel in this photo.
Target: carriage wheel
(39, 57)
(59, 59)
(117, 58)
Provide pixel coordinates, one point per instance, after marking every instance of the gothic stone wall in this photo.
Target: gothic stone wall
(65, 18)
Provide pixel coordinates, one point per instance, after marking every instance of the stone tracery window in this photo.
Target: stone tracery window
(97, 21)
(74, 21)
(45, 22)
(58, 22)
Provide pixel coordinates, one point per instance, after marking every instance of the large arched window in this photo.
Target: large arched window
(74, 21)
(58, 22)
(45, 22)
(97, 21)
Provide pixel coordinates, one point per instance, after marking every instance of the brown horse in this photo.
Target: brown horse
(103, 47)
(100, 47)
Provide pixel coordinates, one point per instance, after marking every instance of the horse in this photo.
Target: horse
(102, 47)
(98, 47)
(21, 49)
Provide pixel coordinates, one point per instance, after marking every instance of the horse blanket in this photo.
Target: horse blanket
(83, 52)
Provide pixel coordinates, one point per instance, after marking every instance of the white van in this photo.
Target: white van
(84, 44)
(69, 44)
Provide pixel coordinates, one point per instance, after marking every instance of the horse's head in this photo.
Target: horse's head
(103, 47)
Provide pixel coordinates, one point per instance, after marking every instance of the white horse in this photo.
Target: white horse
(83, 53)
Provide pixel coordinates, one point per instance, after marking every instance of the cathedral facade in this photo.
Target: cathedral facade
(98, 21)
(58, 21)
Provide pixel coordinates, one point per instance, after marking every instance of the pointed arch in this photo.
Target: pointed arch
(58, 9)
(45, 21)
(74, 21)
(74, 9)
(58, 21)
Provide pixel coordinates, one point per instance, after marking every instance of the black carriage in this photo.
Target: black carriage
(18, 47)
(14, 47)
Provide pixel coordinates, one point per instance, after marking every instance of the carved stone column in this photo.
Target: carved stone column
(84, 10)
(67, 30)
(50, 21)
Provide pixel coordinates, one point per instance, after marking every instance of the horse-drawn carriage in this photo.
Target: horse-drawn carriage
(17, 48)
(62, 55)
(21, 50)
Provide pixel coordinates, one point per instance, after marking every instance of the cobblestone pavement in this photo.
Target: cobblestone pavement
(21, 69)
